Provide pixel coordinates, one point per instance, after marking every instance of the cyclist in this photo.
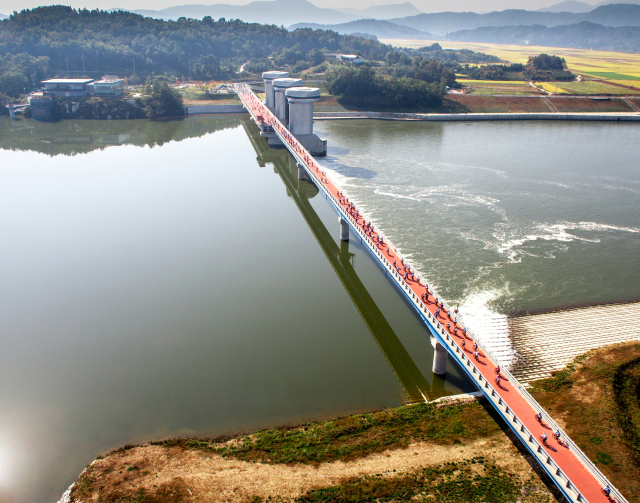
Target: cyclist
(497, 370)
(543, 437)
(556, 435)
(606, 490)
(538, 417)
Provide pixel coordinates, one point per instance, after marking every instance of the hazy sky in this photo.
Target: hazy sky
(8, 6)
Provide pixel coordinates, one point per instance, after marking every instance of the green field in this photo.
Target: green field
(591, 87)
(501, 92)
(614, 76)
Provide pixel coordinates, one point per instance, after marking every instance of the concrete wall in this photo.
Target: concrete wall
(215, 109)
(613, 116)
(281, 104)
(300, 117)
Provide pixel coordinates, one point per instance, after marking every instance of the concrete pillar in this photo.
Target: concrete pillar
(269, 77)
(344, 229)
(301, 172)
(439, 357)
(279, 88)
(301, 101)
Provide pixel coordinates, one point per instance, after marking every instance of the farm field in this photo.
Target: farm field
(511, 91)
(595, 87)
(498, 86)
(608, 65)
(552, 87)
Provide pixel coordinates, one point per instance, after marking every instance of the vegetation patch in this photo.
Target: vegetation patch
(597, 398)
(474, 480)
(614, 76)
(595, 87)
(354, 436)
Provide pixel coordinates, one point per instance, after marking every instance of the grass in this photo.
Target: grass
(596, 397)
(356, 436)
(590, 87)
(502, 92)
(460, 482)
(614, 76)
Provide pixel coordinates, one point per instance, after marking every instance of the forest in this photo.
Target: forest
(60, 41)
(364, 87)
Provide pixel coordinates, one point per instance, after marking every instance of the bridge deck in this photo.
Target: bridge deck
(573, 473)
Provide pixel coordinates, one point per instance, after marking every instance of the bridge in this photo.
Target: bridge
(567, 466)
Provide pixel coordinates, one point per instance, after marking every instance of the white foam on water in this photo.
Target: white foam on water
(508, 240)
(489, 327)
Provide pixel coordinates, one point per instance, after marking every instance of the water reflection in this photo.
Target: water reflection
(175, 290)
(77, 137)
(414, 383)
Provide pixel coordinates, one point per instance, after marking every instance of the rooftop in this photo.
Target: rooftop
(67, 81)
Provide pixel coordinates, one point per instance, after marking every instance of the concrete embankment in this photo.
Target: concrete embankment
(214, 109)
(609, 117)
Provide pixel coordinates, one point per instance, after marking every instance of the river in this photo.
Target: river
(502, 217)
(176, 278)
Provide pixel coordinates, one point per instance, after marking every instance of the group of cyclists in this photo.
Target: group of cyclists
(369, 230)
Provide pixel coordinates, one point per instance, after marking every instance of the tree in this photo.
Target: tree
(161, 101)
(546, 62)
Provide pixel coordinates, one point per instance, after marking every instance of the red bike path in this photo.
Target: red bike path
(585, 482)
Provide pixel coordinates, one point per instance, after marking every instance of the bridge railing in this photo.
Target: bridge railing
(527, 437)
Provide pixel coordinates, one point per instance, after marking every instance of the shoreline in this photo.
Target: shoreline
(473, 116)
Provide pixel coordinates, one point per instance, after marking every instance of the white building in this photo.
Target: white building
(350, 58)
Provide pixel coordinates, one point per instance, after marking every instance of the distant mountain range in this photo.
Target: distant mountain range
(297, 13)
(442, 23)
(2, 16)
(438, 25)
(378, 28)
(583, 35)
(279, 12)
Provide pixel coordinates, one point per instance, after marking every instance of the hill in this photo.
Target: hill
(569, 6)
(582, 35)
(278, 12)
(382, 12)
(380, 29)
(444, 22)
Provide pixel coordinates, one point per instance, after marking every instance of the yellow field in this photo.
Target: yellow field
(581, 61)
(496, 82)
(551, 87)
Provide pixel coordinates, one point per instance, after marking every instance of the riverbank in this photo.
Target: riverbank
(435, 117)
(461, 452)
(483, 104)
(458, 451)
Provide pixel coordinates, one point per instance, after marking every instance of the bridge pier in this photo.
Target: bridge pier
(439, 357)
(344, 229)
(301, 174)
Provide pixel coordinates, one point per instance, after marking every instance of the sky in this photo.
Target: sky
(8, 6)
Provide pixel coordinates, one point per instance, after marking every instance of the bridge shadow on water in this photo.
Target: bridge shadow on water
(416, 386)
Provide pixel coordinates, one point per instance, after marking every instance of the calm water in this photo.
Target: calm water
(503, 217)
(176, 279)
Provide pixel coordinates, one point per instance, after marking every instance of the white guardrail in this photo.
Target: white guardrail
(568, 488)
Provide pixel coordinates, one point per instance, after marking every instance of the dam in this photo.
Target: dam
(571, 471)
